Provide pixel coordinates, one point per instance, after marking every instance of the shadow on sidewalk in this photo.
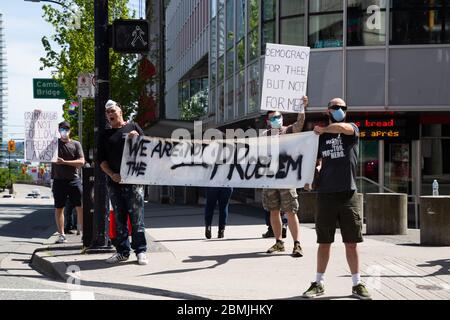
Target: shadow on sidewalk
(443, 263)
(219, 260)
(33, 225)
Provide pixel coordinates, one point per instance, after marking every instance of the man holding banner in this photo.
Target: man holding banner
(275, 200)
(337, 198)
(126, 199)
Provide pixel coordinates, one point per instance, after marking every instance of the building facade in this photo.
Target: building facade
(389, 59)
(3, 90)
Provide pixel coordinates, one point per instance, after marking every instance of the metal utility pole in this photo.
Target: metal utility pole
(101, 204)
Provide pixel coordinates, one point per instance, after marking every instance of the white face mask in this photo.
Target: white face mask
(64, 134)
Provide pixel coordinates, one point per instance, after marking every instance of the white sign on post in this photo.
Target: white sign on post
(86, 85)
(41, 136)
(285, 78)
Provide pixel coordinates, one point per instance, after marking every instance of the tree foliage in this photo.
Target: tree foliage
(70, 52)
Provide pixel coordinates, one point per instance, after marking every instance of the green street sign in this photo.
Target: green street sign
(47, 89)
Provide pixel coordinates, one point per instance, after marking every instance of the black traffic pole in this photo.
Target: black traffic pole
(100, 237)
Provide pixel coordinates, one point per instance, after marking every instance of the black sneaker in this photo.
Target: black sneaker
(208, 232)
(268, 234)
(221, 233)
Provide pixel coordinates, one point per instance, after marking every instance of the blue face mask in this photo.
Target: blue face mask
(64, 133)
(337, 115)
(276, 122)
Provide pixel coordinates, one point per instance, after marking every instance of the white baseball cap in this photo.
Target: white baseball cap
(111, 103)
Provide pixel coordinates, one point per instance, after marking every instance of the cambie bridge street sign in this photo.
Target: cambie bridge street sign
(47, 89)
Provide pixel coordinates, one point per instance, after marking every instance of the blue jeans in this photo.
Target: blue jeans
(214, 195)
(128, 200)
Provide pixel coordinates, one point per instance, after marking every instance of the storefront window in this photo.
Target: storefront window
(252, 45)
(397, 172)
(291, 8)
(325, 23)
(240, 55)
(213, 73)
(318, 6)
(253, 25)
(213, 53)
(240, 93)
(230, 62)
(221, 27)
(368, 167)
(213, 8)
(193, 98)
(420, 22)
(221, 68)
(230, 99)
(240, 19)
(366, 22)
(221, 104)
(253, 88)
(230, 25)
(292, 31)
(268, 23)
(212, 103)
(436, 157)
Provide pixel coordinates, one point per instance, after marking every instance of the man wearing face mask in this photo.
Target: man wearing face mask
(285, 200)
(338, 150)
(127, 199)
(66, 178)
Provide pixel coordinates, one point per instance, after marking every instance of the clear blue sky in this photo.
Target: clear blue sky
(23, 29)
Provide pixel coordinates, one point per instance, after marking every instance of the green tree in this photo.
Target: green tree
(4, 178)
(70, 51)
(195, 107)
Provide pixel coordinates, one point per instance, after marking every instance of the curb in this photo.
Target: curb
(43, 261)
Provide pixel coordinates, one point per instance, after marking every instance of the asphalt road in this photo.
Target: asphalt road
(23, 227)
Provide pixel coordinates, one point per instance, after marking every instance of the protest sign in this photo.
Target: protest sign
(285, 78)
(286, 161)
(41, 136)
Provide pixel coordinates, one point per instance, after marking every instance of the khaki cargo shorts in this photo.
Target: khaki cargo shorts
(280, 199)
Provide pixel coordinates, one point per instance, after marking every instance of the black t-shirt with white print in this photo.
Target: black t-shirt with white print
(112, 143)
(339, 153)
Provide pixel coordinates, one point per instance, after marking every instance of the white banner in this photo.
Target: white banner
(285, 78)
(41, 136)
(286, 161)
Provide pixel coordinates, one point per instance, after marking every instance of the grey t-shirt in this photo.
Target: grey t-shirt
(71, 150)
(339, 153)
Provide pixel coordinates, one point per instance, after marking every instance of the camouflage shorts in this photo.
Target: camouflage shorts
(280, 199)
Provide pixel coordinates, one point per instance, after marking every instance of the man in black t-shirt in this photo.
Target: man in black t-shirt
(66, 179)
(127, 200)
(337, 202)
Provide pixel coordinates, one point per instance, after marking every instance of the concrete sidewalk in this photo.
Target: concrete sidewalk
(184, 265)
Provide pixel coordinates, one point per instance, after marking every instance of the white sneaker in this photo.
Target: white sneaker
(61, 239)
(116, 258)
(142, 259)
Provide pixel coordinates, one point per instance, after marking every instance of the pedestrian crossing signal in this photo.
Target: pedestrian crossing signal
(130, 36)
(11, 146)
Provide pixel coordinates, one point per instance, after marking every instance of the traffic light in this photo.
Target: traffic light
(11, 146)
(130, 36)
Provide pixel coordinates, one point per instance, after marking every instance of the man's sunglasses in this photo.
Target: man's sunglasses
(275, 117)
(335, 107)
